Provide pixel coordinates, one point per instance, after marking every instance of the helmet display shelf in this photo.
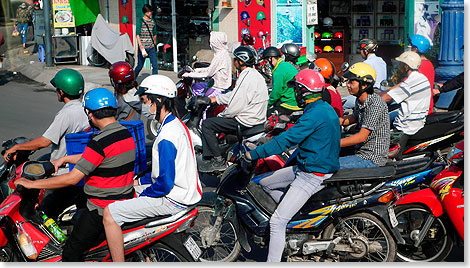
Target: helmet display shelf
(331, 42)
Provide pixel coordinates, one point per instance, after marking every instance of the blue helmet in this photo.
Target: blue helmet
(99, 98)
(421, 42)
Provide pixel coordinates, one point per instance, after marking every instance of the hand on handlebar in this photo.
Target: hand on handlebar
(10, 154)
(23, 182)
(58, 163)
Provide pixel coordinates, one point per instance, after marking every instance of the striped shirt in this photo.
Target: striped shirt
(108, 163)
(146, 31)
(373, 115)
(413, 95)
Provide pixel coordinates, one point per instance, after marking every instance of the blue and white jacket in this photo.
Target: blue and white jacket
(174, 167)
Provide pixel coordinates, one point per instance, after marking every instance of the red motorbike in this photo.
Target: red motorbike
(25, 237)
(425, 216)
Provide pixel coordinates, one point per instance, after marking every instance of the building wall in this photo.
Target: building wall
(228, 22)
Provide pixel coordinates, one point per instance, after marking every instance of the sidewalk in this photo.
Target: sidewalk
(29, 66)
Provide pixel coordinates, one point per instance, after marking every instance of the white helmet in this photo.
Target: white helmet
(410, 58)
(328, 21)
(157, 85)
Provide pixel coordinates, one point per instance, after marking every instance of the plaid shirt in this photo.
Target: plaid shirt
(23, 15)
(373, 115)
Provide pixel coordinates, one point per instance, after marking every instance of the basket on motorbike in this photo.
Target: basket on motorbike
(76, 142)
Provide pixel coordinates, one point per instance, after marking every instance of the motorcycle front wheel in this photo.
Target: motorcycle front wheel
(372, 241)
(225, 248)
(437, 243)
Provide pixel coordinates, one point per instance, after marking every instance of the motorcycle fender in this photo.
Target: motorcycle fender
(208, 199)
(232, 217)
(175, 241)
(425, 197)
(382, 213)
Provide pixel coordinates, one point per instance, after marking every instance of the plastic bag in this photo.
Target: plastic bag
(26, 243)
(15, 33)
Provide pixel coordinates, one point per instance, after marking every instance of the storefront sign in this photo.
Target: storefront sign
(254, 18)
(125, 18)
(425, 21)
(289, 21)
(63, 16)
(312, 12)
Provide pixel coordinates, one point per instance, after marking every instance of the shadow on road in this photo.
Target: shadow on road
(8, 76)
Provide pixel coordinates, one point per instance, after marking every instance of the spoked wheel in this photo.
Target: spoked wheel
(162, 253)
(437, 242)
(371, 241)
(225, 247)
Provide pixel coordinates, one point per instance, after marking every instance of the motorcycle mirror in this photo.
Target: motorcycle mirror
(194, 59)
(345, 66)
(384, 83)
(210, 83)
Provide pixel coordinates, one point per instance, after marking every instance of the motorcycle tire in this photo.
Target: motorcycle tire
(373, 230)
(226, 248)
(10, 254)
(163, 253)
(152, 128)
(96, 59)
(436, 245)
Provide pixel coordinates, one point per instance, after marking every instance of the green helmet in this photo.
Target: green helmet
(69, 81)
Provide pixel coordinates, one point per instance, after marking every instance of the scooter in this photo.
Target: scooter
(25, 237)
(429, 219)
(331, 226)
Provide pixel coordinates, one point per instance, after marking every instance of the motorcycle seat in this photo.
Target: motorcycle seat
(353, 174)
(442, 117)
(406, 167)
(253, 130)
(158, 220)
(201, 64)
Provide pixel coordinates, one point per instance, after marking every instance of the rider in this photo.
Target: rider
(421, 45)
(281, 98)
(371, 116)
(107, 163)
(331, 95)
(69, 86)
(368, 47)
(246, 106)
(174, 183)
(412, 94)
(123, 80)
(317, 133)
(220, 68)
(291, 54)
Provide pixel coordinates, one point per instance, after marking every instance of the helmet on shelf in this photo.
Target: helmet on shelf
(326, 35)
(318, 49)
(339, 49)
(327, 22)
(338, 35)
(327, 49)
(317, 35)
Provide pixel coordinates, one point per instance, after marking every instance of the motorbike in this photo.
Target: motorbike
(25, 237)
(432, 218)
(334, 225)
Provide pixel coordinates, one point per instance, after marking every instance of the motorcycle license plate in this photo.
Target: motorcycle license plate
(393, 218)
(192, 248)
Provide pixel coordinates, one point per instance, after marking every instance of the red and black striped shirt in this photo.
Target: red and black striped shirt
(108, 163)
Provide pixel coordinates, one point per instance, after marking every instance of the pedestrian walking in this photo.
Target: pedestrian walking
(146, 38)
(23, 18)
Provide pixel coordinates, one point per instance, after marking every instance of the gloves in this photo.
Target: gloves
(202, 100)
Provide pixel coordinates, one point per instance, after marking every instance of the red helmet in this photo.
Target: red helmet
(338, 49)
(325, 67)
(317, 35)
(318, 49)
(121, 72)
(310, 79)
(339, 35)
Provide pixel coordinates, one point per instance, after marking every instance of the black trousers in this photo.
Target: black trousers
(57, 200)
(210, 128)
(87, 233)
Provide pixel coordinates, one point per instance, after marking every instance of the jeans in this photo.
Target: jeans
(23, 29)
(152, 55)
(353, 161)
(302, 186)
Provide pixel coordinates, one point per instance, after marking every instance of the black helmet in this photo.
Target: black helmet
(368, 45)
(245, 55)
(291, 52)
(271, 52)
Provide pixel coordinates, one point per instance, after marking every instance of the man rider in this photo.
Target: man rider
(368, 47)
(246, 106)
(107, 163)
(291, 54)
(174, 183)
(69, 86)
(371, 116)
(281, 98)
(412, 94)
(317, 133)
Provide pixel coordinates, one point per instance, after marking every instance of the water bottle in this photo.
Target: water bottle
(54, 228)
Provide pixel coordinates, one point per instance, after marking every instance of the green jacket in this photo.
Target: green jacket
(282, 73)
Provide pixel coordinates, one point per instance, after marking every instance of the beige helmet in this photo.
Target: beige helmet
(411, 59)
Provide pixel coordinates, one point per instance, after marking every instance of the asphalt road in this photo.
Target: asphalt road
(27, 109)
